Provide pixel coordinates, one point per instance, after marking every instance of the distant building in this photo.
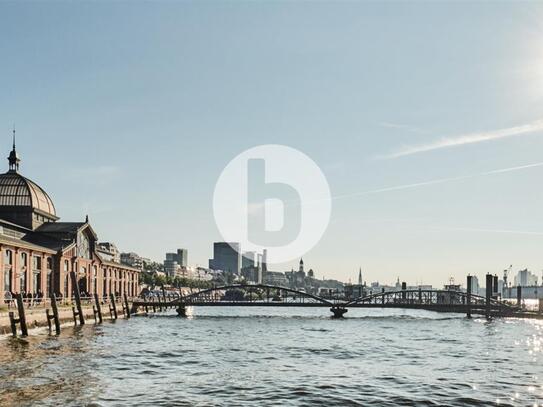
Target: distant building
(474, 285)
(176, 263)
(248, 260)
(133, 260)
(276, 278)
(525, 278)
(226, 257)
(183, 257)
(108, 251)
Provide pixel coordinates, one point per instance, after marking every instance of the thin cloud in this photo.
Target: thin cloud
(469, 138)
(406, 127)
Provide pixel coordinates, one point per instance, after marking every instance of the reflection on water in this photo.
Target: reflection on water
(262, 356)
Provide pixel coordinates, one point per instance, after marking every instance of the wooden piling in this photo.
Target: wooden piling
(519, 295)
(154, 306)
(74, 313)
(98, 307)
(113, 306)
(56, 319)
(13, 323)
(489, 283)
(146, 300)
(77, 295)
(22, 317)
(126, 306)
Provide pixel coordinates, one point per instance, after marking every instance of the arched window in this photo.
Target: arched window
(36, 274)
(95, 278)
(66, 277)
(22, 272)
(8, 270)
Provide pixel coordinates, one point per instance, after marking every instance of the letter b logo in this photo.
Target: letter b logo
(273, 197)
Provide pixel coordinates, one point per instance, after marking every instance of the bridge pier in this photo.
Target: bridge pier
(181, 310)
(338, 312)
(468, 296)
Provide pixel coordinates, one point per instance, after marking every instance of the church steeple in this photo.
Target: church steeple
(360, 276)
(13, 158)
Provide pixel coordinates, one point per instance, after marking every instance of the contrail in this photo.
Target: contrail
(507, 231)
(438, 181)
(469, 138)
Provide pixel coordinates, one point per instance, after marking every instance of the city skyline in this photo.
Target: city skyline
(432, 147)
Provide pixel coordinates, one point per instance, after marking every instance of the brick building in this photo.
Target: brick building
(37, 252)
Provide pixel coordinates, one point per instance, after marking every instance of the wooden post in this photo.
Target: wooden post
(55, 313)
(22, 318)
(49, 317)
(519, 295)
(13, 323)
(468, 296)
(113, 305)
(146, 299)
(126, 306)
(154, 307)
(77, 294)
(541, 305)
(98, 307)
(489, 283)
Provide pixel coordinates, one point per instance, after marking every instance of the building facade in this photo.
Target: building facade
(38, 252)
(226, 257)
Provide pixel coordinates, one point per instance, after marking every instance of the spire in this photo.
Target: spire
(13, 158)
(87, 219)
(360, 276)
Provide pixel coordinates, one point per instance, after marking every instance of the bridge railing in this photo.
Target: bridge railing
(427, 297)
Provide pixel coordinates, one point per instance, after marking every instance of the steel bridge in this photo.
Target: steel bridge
(263, 295)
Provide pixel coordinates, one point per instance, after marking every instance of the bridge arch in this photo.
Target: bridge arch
(434, 300)
(202, 295)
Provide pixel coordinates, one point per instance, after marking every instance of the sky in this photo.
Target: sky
(426, 119)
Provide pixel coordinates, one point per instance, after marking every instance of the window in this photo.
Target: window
(8, 272)
(24, 260)
(36, 262)
(8, 257)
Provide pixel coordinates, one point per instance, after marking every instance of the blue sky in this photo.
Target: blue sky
(130, 111)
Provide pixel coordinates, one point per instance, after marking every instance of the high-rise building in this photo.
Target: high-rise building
(226, 257)
(525, 278)
(183, 257)
(248, 260)
(176, 262)
(474, 285)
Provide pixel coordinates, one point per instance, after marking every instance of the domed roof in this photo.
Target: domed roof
(16, 190)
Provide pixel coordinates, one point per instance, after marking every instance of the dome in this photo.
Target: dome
(16, 190)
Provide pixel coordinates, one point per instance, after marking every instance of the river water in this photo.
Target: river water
(278, 356)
